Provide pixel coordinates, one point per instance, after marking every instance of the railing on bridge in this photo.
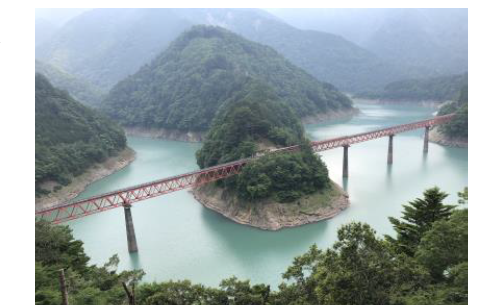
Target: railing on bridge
(110, 200)
(126, 196)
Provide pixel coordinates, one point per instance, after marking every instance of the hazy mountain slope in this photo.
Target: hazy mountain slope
(434, 89)
(106, 45)
(70, 137)
(328, 57)
(80, 89)
(424, 38)
(207, 67)
(427, 41)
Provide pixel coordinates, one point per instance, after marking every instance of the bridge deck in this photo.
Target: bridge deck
(76, 209)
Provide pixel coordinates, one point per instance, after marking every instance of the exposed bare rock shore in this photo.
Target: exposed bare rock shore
(331, 115)
(196, 136)
(437, 137)
(162, 133)
(79, 183)
(269, 214)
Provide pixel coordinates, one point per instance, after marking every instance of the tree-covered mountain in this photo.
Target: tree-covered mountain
(256, 118)
(255, 122)
(70, 137)
(437, 89)
(105, 45)
(326, 56)
(205, 68)
(82, 90)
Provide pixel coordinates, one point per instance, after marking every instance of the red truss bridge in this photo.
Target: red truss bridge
(126, 196)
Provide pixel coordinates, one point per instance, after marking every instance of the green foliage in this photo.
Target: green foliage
(80, 89)
(458, 126)
(445, 244)
(435, 88)
(417, 218)
(55, 249)
(285, 177)
(202, 70)
(250, 117)
(70, 138)
(360, 268)
(241, 126)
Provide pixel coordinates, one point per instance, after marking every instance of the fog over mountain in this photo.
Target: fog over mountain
(356, 50)
(425, 38)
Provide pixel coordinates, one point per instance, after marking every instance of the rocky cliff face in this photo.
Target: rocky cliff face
(269, 214)
(437, 137)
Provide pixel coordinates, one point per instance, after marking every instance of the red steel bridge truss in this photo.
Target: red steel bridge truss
(77, 209)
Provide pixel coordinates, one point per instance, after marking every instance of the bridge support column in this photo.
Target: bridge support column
(130, 229)
(427, 133)
(390, 150)
(345, 161)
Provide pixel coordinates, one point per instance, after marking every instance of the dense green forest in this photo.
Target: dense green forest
(258, 120)
(80, 89)
(204, 68)
(424, 261)
(458, 127)
(252, 116)
(70, 137)
(436, 89)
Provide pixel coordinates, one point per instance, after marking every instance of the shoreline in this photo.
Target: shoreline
(79, 183)
(275, 216)
(330, 115)
(198, 136)
(400, 102)
(437, 137)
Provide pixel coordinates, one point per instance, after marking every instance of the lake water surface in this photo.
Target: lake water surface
(179, 239)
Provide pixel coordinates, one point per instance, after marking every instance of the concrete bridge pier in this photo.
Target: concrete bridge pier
(427, 133)
(345, 172)
(130, 229)
(390, 150)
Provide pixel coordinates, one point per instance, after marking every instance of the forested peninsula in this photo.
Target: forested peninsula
(180, 92)
(75, 145)
(455, 132)
(274, 190)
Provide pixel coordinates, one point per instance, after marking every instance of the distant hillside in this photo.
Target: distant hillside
(433, 40)
(205, 68)
(432, 89)
(436, 39)
(70, 137)
(326, 56)
(80, 89)
(106, 45)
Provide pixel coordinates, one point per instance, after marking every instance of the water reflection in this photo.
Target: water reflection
(247, 243)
